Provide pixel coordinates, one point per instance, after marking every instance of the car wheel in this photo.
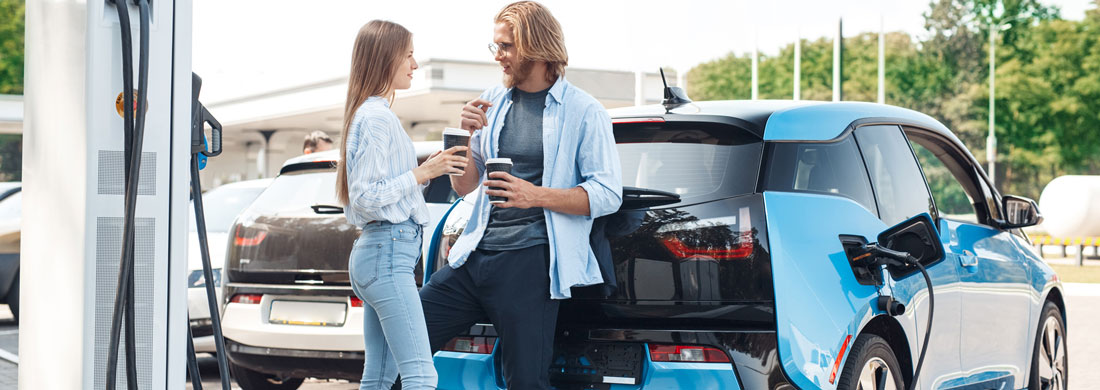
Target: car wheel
(1049, 362)
(871, 365)
(13, 298)
(252, 380)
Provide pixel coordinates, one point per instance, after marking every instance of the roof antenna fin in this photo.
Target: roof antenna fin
(674, 96)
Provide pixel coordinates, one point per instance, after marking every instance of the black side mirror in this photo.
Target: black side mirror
(916, 236)
(1019, 212)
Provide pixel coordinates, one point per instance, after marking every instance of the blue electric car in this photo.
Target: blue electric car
(743, 259)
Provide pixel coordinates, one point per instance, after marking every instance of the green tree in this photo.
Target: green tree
(1047, 97)
(11, 46)
(11, 82)
(1047, 101)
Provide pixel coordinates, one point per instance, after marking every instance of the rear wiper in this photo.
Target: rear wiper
(327, 209)
(640, 198)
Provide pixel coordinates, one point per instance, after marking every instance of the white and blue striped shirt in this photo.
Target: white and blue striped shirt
(380, 159)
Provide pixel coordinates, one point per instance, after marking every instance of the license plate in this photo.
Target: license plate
(308, 313)
(596, 363)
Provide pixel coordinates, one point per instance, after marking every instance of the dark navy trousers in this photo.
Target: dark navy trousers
(511, 289)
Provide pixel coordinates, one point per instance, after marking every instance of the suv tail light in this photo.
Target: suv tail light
(479, 345)
(356, 302)
(244, 238)
(686, 354)
(247, 298)
(742, 250)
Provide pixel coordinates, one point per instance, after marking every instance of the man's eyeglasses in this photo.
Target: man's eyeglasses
(496, 49)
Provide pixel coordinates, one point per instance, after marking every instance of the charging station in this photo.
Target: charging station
(74, 185)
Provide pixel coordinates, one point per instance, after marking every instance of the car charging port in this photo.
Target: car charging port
(890, 305)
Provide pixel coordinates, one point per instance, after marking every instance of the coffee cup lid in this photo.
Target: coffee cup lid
(454, 131)
(499, 160)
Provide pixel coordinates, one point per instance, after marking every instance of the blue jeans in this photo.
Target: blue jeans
(394, 335)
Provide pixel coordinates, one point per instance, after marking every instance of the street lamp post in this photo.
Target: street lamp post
(991, 139)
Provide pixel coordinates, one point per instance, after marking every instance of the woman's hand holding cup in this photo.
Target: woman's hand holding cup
(446, 162)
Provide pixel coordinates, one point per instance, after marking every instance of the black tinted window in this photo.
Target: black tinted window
(693, 160)
(895, 176)
(825, 168)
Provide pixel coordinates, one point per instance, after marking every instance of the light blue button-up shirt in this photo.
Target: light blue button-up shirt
(380, 159)
(578, 150)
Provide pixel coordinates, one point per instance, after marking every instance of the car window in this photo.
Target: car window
(948, 193)
(825, 168)
(221, 206)
(12, 207)
(690, 159)
(895, 177)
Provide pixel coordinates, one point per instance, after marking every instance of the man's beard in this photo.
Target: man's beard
(519, 74)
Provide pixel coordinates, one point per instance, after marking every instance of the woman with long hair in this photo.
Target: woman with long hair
(380, 184)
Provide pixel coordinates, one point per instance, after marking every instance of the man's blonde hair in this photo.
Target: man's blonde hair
(537, 35)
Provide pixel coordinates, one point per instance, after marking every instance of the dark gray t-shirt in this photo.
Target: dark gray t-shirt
(521, 141)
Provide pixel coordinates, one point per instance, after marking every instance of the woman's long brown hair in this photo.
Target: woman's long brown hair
(379, 49)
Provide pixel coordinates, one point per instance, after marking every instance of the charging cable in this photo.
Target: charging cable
(134, 131)
(877, 256)
(200, 117)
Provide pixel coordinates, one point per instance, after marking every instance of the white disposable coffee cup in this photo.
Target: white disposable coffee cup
(502, 164)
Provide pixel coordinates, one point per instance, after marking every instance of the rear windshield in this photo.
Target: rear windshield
(295, 192)
(697, 160)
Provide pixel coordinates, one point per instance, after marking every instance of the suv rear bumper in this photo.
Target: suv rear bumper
(248, 324)
(296, 363)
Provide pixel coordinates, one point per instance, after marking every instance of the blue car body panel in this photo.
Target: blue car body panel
(433, 246)
(459, 371)
(993, 273)
(819, 303)
(816, 297)
(663, 375)
(823, 122)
